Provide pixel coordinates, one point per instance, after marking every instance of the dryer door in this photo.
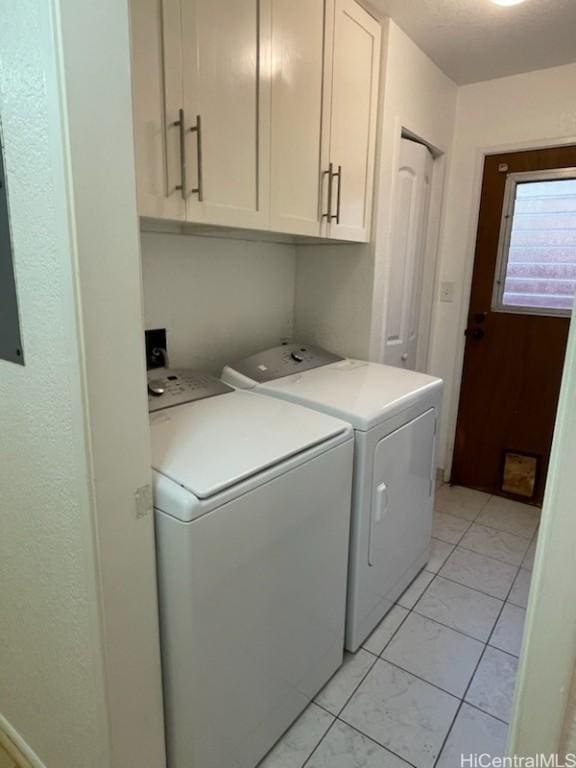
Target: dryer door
(402, 500)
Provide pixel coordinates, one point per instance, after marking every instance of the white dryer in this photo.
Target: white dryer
(394, 413)
(252, 509)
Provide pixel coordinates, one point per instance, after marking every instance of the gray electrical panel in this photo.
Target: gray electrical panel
(10, 341)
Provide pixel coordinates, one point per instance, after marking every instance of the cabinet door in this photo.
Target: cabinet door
(155, 33)
(226, 55)
(353, 113)
(297, 72)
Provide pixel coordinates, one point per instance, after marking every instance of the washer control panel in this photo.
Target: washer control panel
(283, 361)
(167, 388)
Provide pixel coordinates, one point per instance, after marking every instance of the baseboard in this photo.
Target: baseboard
(16, 747)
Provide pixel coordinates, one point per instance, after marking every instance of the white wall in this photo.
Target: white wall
(52, 691)
(333, 297)
(79, 652)
(340, 290)
(219, 299)
(419, 98)
(531, 110)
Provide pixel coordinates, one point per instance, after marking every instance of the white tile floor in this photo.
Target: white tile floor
(436, 678)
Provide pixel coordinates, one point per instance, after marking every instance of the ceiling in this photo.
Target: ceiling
(473, 40)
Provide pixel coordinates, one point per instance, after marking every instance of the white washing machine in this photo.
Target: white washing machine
(252, 508)
(394, 413)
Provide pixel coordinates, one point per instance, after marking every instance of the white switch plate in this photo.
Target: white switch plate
(447, 292)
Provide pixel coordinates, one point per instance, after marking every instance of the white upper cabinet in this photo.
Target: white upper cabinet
(156, 137)
(226, 79)
(297, 81)
(350, 116)
(242, 106)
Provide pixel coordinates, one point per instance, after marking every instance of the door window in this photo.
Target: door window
(536, 271)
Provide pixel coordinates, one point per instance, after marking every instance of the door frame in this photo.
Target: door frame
(466, 283)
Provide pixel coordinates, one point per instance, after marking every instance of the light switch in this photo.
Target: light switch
(447, 292)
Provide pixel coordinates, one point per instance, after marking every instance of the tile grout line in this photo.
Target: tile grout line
(476, 521)
(460, 700)
(364, 676)
(482, 554)
(486, 645)
(463, 700)
(501, 530)
(317, 747)
(377, 657)
(423, 679)
(496, 530)
(461, 584)
(378, 744)
(447, 626)
(412, 610)
(459, 708)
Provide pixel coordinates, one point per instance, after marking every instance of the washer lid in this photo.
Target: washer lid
(364, 394)
(209, 445)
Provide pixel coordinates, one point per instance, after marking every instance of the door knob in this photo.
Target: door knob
(404, 357)
(474, 333)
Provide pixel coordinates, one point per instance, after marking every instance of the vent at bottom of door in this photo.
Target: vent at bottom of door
(519, 474)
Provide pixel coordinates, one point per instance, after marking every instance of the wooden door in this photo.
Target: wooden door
(352, 76)
(522, 292)
(226, 65)
(296, 115)
(409, 225)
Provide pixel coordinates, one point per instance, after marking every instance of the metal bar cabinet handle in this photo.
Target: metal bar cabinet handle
(197, 129)
(181, 133)
(330, 175)
(338, 195)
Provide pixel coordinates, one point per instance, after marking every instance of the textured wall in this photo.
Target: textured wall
(218, 299)
(51, 677)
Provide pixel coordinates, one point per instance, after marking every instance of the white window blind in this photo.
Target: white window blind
(538, 266)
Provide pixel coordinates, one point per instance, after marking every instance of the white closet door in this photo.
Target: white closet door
(226, 52)
(354, 105)
(415, 329)
(297, 70)
(409, 226)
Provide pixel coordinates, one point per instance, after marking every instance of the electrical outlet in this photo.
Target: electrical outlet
(447, 292)
(155, 339)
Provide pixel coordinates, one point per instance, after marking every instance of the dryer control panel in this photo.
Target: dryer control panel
(167, 387)
(282, 361)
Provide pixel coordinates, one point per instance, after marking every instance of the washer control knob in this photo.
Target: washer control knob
(156, 388)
